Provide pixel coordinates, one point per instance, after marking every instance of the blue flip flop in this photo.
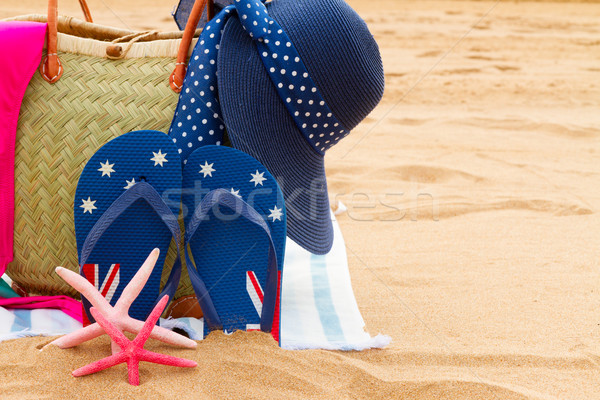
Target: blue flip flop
(126, 204)
(235, 239)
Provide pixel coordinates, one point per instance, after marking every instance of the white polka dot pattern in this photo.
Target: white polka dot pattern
(198, 119)
(290, 76)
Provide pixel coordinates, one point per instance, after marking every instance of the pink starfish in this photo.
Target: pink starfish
(132, 352)
(119, 314)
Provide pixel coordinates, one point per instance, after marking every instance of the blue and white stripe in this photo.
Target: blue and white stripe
(318, 308)
(45, 322)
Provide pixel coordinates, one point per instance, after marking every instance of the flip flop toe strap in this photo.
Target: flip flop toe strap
(145, 191)
(224, 198)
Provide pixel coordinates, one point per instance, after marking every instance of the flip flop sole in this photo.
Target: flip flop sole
(230, 252)
(148, 156)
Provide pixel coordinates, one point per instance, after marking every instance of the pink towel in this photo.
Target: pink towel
(21, 46)
(66, 304)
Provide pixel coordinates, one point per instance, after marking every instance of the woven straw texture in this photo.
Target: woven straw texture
(60, 127)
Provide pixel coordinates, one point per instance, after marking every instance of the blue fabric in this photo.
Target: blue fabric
(137, 222)
(198, 120)
(23, 318)
(330, 320)
(343, 61)
(184, 8)
(226, 238)
(302, 98)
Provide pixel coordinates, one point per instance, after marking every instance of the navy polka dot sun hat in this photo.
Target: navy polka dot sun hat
(265, 111)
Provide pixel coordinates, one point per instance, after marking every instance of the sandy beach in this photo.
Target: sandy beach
(472, 227)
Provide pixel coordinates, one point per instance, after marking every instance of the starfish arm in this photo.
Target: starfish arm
(82, 335)
(109, 328)
(133, 371)
(114, 347)
(174, 338)
(135, 286)
(166, 359)
(85, 288)
(150, 322)
(101, 364)
(160, 333)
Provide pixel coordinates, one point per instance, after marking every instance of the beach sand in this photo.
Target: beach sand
(472, 228)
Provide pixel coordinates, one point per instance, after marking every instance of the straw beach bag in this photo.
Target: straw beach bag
(95, 83)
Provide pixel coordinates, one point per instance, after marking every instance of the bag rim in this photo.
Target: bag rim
(76, 27)
(91, 39)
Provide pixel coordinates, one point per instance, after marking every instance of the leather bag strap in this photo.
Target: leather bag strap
(176, 78)
(51, 68)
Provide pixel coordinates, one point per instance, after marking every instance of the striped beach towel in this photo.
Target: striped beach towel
(318, 308)
(22, 323)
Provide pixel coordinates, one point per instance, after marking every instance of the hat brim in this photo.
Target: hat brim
(259, 124)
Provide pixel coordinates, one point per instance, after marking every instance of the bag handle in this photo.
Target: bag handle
(176, 78)
(86, 11)
(51, 68)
